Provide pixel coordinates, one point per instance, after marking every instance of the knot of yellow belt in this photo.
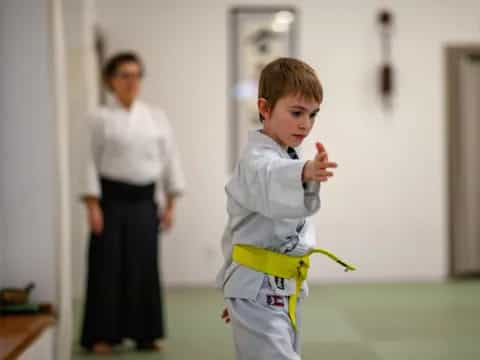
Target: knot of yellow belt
(302, 269)
(281, 265)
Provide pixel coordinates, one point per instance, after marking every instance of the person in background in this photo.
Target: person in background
(133, 180)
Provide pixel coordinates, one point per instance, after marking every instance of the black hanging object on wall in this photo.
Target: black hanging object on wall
(386, 85)
(100, 51)
(386, 76)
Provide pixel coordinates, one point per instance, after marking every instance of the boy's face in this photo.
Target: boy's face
(290, 121)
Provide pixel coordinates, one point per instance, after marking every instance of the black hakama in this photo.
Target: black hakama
(124, 298)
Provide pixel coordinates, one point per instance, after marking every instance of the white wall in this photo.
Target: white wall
(27, 148)
(386, 208)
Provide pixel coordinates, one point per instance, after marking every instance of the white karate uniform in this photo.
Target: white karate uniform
(268, 207)
(134, 146)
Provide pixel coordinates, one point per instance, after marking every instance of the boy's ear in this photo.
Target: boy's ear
(263, 108)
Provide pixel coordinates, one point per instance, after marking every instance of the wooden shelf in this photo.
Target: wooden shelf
(18, 332)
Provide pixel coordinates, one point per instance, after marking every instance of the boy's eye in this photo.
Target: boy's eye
(296, 113)
(313, 116)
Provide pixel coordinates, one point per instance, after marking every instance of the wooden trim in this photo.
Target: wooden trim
(18, 332)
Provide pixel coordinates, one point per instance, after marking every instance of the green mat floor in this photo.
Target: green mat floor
(429, 321)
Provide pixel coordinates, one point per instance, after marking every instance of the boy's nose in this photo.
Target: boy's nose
(306, 124)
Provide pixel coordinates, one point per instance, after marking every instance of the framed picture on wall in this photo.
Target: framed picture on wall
(258, 36)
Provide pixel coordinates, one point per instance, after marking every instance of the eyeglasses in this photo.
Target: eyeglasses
(128, 75)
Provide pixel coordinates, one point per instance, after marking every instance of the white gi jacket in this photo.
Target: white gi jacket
(268, 207)
(135, 146)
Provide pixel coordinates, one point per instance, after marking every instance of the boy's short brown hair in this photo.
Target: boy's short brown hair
(286, 76)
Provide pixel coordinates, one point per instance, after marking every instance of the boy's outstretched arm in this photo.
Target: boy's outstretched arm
(273, 186)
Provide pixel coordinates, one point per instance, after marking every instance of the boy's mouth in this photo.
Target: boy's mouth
(299, 137)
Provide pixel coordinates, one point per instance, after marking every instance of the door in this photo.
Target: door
(464, 160)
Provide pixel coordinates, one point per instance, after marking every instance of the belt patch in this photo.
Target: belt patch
(275, 300)
(280, 283)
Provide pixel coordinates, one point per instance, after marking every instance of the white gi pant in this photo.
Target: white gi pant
(262, 329)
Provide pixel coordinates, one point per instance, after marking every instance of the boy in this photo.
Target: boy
(269, 236)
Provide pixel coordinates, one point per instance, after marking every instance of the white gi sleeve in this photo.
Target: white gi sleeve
(93, 153)
(173, 177)
(273, 187)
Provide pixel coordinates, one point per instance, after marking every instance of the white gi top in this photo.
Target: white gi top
(135, 146)
(268, 208)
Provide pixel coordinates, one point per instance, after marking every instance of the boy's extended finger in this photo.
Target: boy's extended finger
(327, 165)
(323, 173)
(331, 165)
(320, 147)
(323, 156)
(321, 150)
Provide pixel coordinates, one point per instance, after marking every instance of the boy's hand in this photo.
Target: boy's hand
(316, 169)
(225, 316)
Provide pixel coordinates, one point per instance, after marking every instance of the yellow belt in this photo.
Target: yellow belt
(281, 265)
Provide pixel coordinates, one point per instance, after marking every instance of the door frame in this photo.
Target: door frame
(63, 334)
(453, 54)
